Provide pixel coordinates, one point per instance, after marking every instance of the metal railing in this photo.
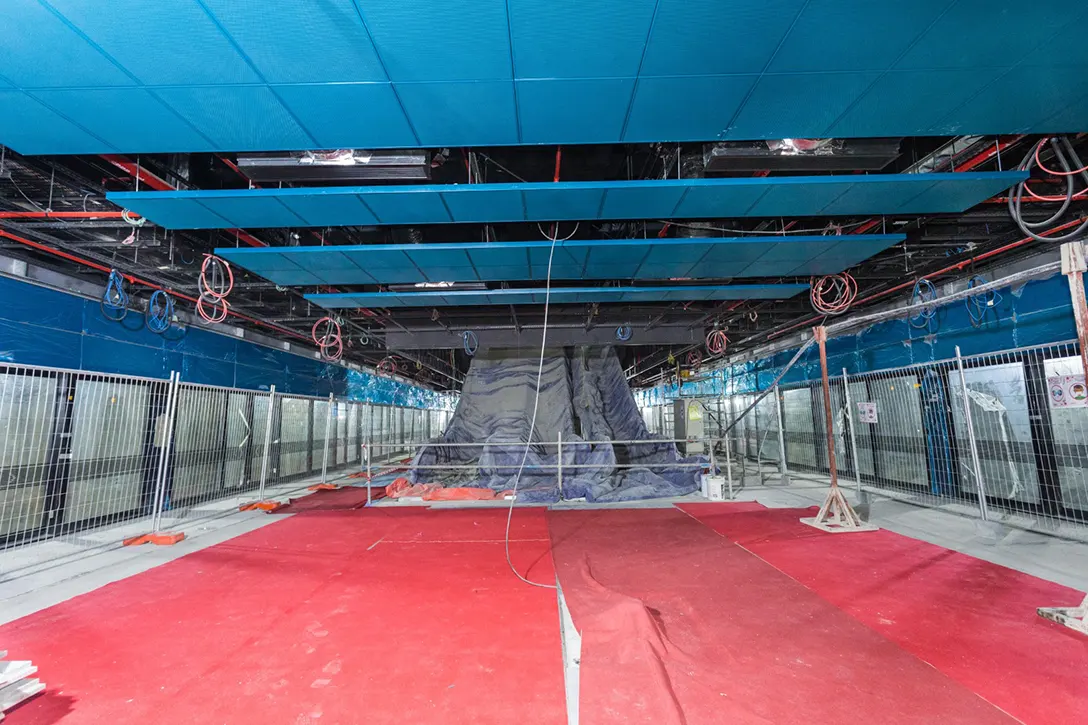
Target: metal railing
(1014, 449)
(88, 459)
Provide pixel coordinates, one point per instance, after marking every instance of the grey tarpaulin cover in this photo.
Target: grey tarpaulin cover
(585, 396)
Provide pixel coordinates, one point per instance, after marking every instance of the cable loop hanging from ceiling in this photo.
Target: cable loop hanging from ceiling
(1071, 168)
(833, 294)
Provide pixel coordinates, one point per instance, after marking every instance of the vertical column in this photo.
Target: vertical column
(983, 509)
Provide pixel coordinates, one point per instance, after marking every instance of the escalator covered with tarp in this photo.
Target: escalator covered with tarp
(608, 453)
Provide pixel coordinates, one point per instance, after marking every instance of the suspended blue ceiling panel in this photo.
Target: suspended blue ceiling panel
(568, 200)
(708, 258)
(559, 296)
(290, 74)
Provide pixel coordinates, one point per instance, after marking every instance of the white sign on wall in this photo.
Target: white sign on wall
(1067, 391)
(867, 413)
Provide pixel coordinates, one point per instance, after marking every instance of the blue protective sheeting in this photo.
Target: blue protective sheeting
(559, 296)
(583, 398)
(224, 75)
(706, 258)
(1036, 313)
(770, 196)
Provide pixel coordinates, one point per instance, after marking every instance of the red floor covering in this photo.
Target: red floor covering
(310, 620)
(680, 626)
(341, 499)
(972, 620)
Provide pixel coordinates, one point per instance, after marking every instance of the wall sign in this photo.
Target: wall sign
(867, 413)
(1067, 391)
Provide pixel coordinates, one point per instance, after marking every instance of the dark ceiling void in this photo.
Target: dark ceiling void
(54, 212)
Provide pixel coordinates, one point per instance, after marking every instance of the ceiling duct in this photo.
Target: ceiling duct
(800, 155)
(338, 165)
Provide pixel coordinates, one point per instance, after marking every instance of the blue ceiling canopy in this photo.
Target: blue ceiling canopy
(224, 75)
(558, 296)
(706, 258)
(846, 194)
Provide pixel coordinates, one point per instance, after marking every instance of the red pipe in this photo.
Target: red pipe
(138, 172)
(959, 266)
(159, 184)
(143, 282)
(986, 155)
(65, 215)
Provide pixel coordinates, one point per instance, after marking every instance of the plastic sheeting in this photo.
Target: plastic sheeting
(608, 454)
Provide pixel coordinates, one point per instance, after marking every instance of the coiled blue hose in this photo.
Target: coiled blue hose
(926, 318)
(624, 333)
(471, 342)
(160, 312)
(978, 305)
(114, 302)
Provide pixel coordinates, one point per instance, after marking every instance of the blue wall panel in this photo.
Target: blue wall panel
(40, 326)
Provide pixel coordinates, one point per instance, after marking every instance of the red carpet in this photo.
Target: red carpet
(680, 626)
(972, 620)
(310, 620)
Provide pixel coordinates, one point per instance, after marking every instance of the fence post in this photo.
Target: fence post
(559, 458)
(369, 451)
(782, 469)
(982, 506)
(853, 433)
(164, 453)
(729, 457)
(325, 455)
(267, 439)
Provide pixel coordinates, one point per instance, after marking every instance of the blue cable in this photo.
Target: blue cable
(471, 342)
(978, 305)
(926, 319)
(623, 333)
(160, 312)
(114, 302)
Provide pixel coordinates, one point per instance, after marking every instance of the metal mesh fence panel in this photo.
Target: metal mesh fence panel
(1014, 448)
(88, 459)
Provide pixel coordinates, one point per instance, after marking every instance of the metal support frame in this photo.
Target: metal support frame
(836, 516)
(164, 453)
(983, 508)
(267, 439)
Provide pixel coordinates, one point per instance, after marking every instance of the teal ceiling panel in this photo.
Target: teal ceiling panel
(498, 72)
(579, 201)
(705, 258)
(558, 296)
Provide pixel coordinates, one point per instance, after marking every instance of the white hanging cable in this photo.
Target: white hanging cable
(536, 405)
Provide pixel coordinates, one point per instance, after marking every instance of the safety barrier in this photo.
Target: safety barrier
(91, 460)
